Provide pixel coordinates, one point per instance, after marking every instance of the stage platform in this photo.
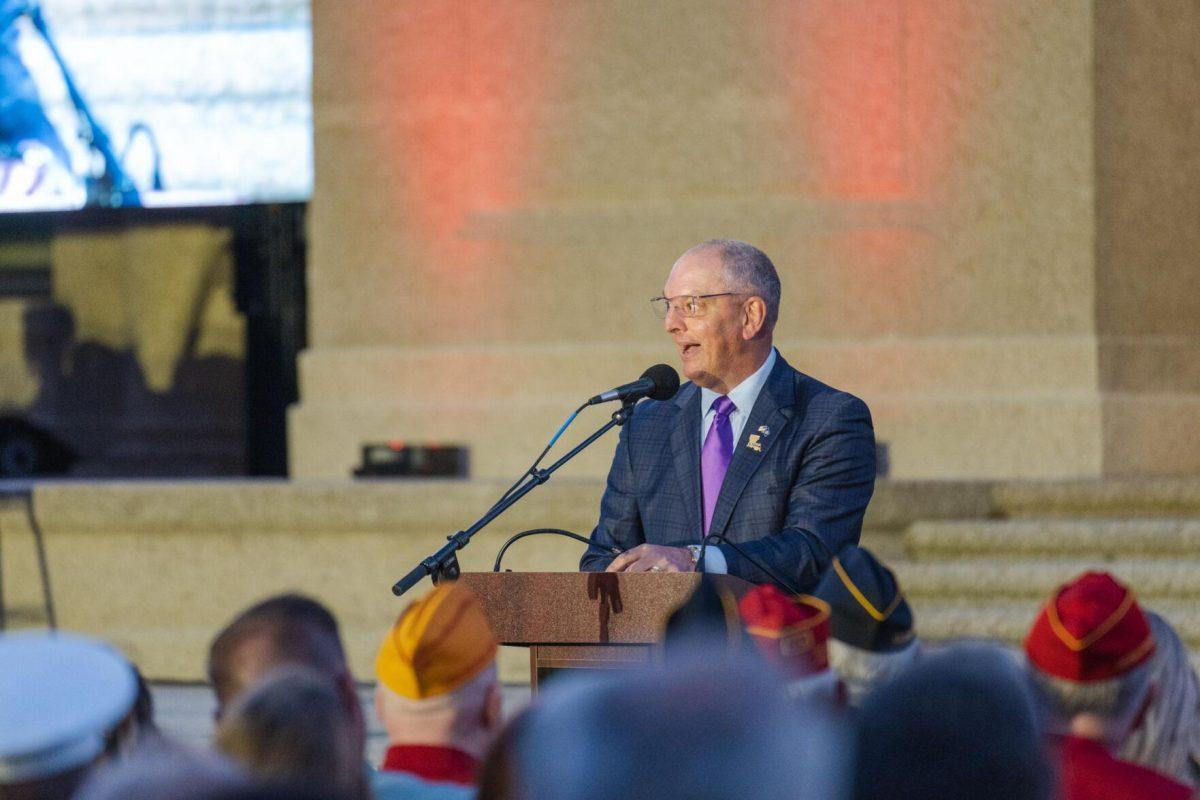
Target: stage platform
(157, 567)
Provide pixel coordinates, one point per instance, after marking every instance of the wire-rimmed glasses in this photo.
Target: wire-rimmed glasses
(688, 305)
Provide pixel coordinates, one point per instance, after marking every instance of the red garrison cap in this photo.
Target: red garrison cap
(1092, 629)
(791, 631)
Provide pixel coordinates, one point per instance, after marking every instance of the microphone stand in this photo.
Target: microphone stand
(443, 565)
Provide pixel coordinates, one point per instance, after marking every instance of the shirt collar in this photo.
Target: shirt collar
(431, 763)
(745, 393)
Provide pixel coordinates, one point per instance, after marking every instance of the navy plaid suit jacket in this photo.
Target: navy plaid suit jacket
(791, 505)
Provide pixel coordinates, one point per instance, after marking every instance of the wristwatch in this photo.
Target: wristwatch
(694, 549)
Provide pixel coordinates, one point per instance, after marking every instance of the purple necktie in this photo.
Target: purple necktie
(716, 455)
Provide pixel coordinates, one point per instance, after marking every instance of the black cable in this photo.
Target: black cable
(616, 551)
(770, 573)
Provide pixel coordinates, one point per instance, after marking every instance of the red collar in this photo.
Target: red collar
(432, 763)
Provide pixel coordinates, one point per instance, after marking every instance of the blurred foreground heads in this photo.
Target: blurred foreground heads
(62, 697)
(160, 770)
(704, 727)
(958, 724)
(438, 695)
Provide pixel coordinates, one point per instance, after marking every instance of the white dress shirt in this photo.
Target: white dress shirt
(744, 395)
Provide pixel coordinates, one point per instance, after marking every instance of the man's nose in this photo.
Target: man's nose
(674, 320)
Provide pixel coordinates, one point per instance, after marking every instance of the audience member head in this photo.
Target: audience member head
(1088, 652)
(436, 667)
(792, 633)
(284, 630)
(61, 696)
(138, 725)
(498, 779)
(291, 729)
(1168, 740)
(716, 728)
(960, 723)
(872, 624)
(709, 616)
(162, 770)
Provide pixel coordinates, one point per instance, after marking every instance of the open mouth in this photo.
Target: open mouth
(688, 349)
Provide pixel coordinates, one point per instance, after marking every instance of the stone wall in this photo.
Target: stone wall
(973, 207)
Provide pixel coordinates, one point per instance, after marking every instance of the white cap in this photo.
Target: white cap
(60, 695)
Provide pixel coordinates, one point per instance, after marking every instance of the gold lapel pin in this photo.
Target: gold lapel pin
(753, 443)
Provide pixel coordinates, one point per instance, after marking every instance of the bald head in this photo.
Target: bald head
(749, 270)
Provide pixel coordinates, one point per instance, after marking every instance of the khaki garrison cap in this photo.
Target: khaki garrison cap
(60, 695)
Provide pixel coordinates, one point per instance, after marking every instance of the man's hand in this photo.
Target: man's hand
(653, 558)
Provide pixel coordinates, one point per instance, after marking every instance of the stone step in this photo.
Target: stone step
(1089, 538)
(1149, 497)
(896, 504)
(1008, 620)
(987, 579)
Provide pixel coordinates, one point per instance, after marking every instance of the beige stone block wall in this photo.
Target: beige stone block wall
(500, 189)
(1147, 237)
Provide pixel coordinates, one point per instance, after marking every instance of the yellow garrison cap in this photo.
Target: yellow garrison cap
(439, 643)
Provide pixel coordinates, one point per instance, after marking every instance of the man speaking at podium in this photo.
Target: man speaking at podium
(749, 449)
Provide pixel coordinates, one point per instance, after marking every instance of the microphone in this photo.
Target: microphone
(660, 382)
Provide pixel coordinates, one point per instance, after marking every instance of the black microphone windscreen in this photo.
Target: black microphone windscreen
(666, 381)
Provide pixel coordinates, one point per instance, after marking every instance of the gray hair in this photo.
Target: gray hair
(750, 270)
(1116, 701)
(1169, 739)
(862, 670)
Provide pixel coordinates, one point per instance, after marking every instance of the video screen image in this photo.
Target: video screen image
(143, 103)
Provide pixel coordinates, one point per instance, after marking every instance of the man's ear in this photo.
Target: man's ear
(754, 318)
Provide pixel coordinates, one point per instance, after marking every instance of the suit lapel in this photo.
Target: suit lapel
(773, 409)
(685, 445)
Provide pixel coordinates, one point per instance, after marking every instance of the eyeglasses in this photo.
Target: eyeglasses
(688, 305)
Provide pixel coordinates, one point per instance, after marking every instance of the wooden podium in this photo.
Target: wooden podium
(584, 620)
